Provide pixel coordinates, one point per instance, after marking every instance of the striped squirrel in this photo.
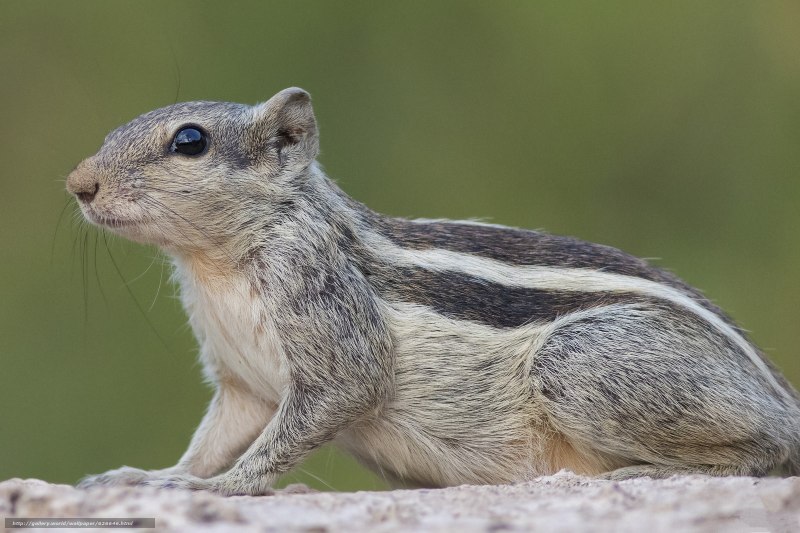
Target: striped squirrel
(436, 352)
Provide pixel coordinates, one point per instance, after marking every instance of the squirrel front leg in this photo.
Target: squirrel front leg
(233, 420)
(339, 354)
(301, 424)
(306, 419)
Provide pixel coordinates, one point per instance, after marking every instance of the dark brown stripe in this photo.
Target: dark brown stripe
(462, 297)
(525, 247)
(518, 247)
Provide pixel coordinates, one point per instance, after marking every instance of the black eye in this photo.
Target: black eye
(189, 141)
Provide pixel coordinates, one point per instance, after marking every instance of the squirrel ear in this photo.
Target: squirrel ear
(288, 120)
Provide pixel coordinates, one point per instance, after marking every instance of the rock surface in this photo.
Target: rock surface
(564, 502)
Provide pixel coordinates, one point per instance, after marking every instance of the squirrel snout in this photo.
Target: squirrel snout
(83, 184)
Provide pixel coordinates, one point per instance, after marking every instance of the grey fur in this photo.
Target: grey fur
(436, 352)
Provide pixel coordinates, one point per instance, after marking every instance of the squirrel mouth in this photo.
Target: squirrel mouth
(109, 222)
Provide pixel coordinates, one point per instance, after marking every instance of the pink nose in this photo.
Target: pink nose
(83, 183)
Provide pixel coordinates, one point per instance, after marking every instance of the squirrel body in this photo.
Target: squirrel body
(436, 352)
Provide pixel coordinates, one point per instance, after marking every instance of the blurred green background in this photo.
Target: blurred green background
(670, 130)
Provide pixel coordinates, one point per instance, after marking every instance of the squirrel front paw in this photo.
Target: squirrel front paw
(228, 484)
(178, 481)
(115, 478)
(225, 485)
(124, 476)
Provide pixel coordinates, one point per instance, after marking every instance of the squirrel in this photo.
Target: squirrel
(436, 352)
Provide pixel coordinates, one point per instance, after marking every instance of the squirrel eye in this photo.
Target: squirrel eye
(189, 141)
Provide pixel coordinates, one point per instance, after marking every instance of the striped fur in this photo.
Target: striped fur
(580, 281)
(436, 352)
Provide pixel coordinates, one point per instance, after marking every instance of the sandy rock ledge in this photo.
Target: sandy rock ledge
(564, 502)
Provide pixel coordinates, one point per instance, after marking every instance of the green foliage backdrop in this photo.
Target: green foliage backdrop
(668, 129)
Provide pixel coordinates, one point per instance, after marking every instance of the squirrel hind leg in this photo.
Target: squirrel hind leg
(667, 471)
(664, 471)
(661, 395)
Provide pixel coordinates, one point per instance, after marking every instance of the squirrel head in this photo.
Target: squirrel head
(191, 176)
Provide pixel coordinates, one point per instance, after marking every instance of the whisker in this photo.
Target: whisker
(177, 72)
(85, 273)
(152, 202)
(171, 212)
(381, 472)
(55, 233)
(133, 297)
(97, 273)
(316, 477)
(200, 230)
(146, 270)
(180, 192)
(158, 289)
(75, 239)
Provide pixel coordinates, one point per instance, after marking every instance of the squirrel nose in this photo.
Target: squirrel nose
(83, 184)
(86, 196)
